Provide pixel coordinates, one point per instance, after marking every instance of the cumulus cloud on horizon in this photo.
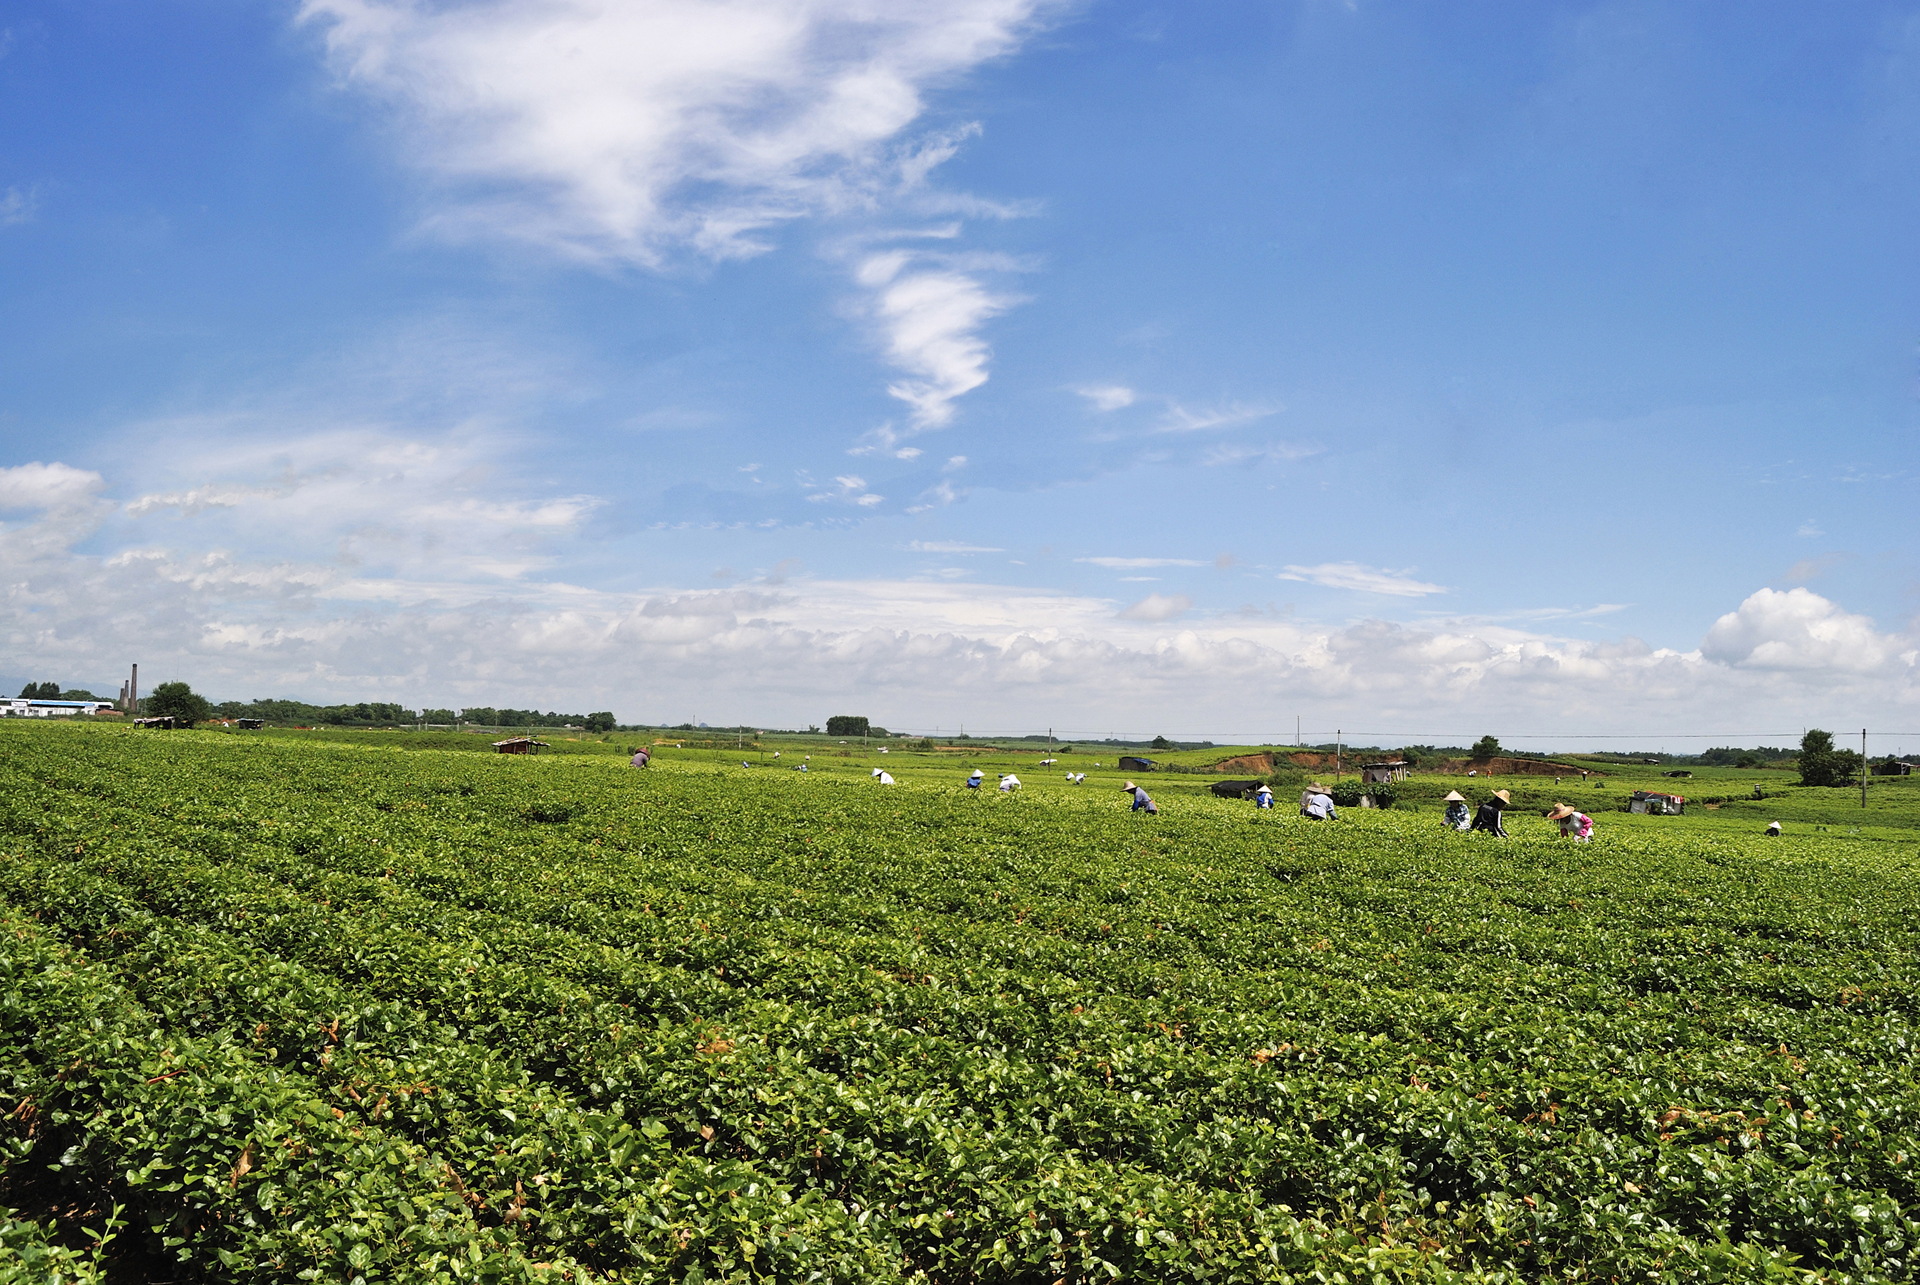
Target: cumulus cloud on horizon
(926, 652)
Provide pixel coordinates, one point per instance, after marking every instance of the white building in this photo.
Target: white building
(50, 709)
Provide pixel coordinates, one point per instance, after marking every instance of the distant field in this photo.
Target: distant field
(302, 1007)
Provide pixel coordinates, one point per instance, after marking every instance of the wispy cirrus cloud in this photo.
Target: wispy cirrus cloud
(951, 546)
(1365, 579)
(1194, 419)
(608, 130)
(1261, 453)
(1108, 397)
(1131, 564)
(19, 205)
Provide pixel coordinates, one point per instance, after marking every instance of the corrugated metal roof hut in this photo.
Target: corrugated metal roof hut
(1377, 773)
(1130, 764)
(1892, 769)
(519, 745)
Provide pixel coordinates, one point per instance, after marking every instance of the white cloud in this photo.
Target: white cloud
(19, 205)
(1158, 606)
(620, 130)
(1810, 527)
(930, 319)
(951, 546)
(1353, 575)
(1132, 563)
(848, 488)
(437, 630)
(1799, 630)
(46, 486)
(1181, 419)
(954, 464)
(1266, 453)
(1107, 397)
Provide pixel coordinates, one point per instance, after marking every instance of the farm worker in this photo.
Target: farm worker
(1009, 783)
(776, 753)
(1457, 818)
(973, 782)
(1140, 799)
(1573, 825)
(885, 778)
(1317, 804)
(1473, 771)
(639, 758)
(1263, 798)
(801, 768)
(1488, 817)
(1773, 829)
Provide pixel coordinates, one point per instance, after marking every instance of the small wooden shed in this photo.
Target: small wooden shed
(1892, 769)
(519, 745)
(1128, 763)
(1379, 773)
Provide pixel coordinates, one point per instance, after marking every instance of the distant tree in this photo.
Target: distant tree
(177, 701)
(1821, 764)
(40, 692)
(437, 716)
(78, 694)
(1748, 760)
(600, 722)
(1162, 743)
(1485, 748)
(813, 728)
(848, 725)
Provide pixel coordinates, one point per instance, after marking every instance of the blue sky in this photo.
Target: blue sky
(1114, 366)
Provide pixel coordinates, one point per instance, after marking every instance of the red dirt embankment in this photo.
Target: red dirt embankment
(1264, 762)
(1506, 767)
(1246, 763)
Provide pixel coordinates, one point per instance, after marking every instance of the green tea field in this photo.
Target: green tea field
(285, 1009)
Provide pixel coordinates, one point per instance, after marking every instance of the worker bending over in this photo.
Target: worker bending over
(1140, 800)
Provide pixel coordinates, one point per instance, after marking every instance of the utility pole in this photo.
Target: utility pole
(1296, 731)
(1863, 767)
(1336, 753)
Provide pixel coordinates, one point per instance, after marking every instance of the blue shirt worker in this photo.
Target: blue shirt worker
(1140, 800)
(1263, 797)
(973, 782)
(1457, 817)
(1316, 804)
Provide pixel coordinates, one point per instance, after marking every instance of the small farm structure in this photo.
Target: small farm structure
(1684, 776)
(165, 722)
(519, 745)
(1234, 789)
(1130, 764)
(251, 724)
(1893, 769)
(1380, 773)
(1656, 804)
